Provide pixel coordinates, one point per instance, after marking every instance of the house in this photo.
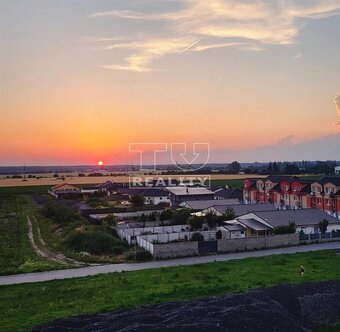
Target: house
(254, 227)
(325, 195)
(152, 195)
(238, 209)
(337, 170)
(201, 205)
(290, 192)
(306, 220)
(90, 190)
(64, 191)
(179, 195)
(232, 231)
(226, 193)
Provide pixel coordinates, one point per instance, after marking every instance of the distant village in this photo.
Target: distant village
(170, 219)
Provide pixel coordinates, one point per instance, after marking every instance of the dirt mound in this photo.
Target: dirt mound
(283, 308)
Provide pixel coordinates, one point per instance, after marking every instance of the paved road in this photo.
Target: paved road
(109, 268)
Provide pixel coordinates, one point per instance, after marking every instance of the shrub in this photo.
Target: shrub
(197, 237)
(195, 222)
(166, 215)
(60, 214)
(96, 243)
(140, 255)
(95, 202)
(323, 224)
(180, 217)
(219, 235)
(285, 229)
(137, 201)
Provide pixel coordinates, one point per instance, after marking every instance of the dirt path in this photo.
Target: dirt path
(42, 249)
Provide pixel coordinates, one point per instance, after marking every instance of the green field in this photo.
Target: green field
(24, 306)
(16, 253)
(232, 183)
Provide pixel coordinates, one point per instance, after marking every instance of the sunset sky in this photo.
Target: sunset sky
(82, 79)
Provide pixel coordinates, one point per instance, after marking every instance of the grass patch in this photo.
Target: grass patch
(16, 253)
(41, 302)
(232, 183)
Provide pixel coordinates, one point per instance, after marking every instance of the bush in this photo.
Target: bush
(166, 215)
(219, 235)
(60, 214)
(140, 255)
(197, 237)
(95, 202)
(96, 243)
(195, 222)
(180, 217)
(285, 229)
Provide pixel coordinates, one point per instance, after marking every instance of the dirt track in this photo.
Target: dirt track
(42, 249)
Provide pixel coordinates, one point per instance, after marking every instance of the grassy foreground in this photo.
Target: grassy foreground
(27, 305)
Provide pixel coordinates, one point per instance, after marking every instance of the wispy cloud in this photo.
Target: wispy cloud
(337, 106)
(204, 25)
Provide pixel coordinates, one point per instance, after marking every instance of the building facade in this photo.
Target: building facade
(290, 192)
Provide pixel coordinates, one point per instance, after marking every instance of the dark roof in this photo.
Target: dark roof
(233, 227)
(154, 192)
(254, 224)
(300, 217)
(279, 178)
(204, 204)
(306, 189)
(149, 192)
(241, 209)
(229, 193)
(329, 179)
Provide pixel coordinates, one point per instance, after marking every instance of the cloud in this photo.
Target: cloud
(337, 106)
(337, 103)
(245, 25)
(149, 51)
(287, 140)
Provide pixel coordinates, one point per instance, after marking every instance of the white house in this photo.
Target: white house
(337, 170)
(306, 220)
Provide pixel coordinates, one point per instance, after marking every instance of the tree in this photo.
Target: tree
(219, 235)
(109, 220)
(195, 222)
(210, 219)
(152, 217)
(276, 168)
(234, 167)
(180, 217)
(229, 214)
(166, 215)
(323, 224)
(143, 218)
(137, 201)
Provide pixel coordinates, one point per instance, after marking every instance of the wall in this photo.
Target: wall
(170, 250)
(253, 243)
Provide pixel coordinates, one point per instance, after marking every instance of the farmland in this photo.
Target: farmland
(50, 181)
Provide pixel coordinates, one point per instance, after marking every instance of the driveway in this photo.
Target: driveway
(110, 268)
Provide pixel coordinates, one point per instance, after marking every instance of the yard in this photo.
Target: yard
(27, 305)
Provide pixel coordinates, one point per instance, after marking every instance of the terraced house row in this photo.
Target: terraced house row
(291, 192)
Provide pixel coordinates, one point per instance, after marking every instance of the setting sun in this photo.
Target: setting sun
(100, 163)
